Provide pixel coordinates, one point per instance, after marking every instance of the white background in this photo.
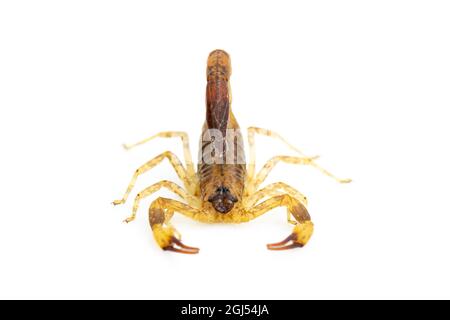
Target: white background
(364, 84)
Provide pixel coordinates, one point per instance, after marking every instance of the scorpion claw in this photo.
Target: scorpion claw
(290, 246)
(184, 248)
(282, 244)
(297, 239)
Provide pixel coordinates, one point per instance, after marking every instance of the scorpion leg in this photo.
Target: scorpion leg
(267, 168)
(269, 133)
(155, 187)
(160, 212)
(302, 230)
(172, 134)
(175, 162)
(251, 142)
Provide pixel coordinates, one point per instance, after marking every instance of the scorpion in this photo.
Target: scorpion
(224, 188)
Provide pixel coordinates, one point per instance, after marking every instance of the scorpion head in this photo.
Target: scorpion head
(222, 200)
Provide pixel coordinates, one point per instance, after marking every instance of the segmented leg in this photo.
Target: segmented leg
(174, 161)
(155, 187)
(251, 141)
(160, 212)
(302, 230)
(269, 133)
(172, 134)
(267, 168)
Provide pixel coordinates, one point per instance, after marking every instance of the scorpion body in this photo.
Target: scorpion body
(222, 181)
(225, 188)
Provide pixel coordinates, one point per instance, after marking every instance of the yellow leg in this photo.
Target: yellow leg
(193, 201)
(251, 142)
(267, 168)
(172, 134)
(160, 212)
(303, 229)
(174, 161)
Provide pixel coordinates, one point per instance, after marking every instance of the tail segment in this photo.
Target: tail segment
(217, 90)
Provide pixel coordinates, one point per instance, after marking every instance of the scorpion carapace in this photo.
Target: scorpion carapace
(224, 188)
